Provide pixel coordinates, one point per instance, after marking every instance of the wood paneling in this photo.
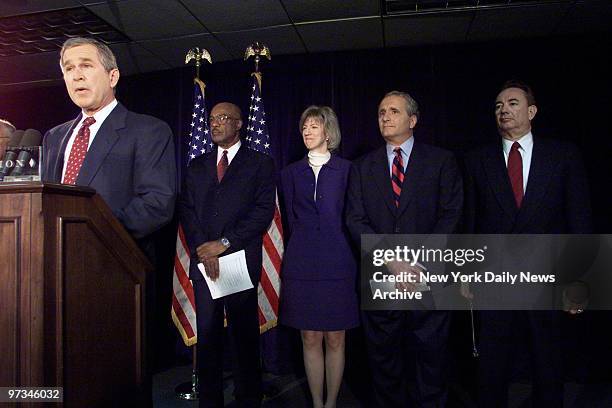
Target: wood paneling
(71, 295)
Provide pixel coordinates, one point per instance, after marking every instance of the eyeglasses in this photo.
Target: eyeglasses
(221, 118)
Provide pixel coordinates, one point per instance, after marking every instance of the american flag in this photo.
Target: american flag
(183, 300)
(258, 138)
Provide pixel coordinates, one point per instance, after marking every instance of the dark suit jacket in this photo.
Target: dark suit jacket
(240, 208)
(130, 163)
(430, 202)
(556, 200)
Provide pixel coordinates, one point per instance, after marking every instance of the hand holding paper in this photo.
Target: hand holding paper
(232, 275)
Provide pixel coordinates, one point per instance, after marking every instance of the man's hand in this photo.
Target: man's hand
(399, 268)
(576, 297)
(210, 249)
(211, 266)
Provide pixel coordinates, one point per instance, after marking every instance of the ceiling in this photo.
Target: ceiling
(152, 35)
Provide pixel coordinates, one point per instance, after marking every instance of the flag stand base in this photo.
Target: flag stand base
(187, 391)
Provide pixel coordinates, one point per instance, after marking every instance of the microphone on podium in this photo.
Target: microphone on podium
(31, 138)
(11, 155)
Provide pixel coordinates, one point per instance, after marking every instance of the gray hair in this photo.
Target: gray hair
(412, 107)
(328, 118)
(107, 58)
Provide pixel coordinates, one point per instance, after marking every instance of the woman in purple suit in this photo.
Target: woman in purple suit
(318, 294)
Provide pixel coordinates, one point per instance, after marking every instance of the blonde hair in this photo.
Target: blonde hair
(328, 119)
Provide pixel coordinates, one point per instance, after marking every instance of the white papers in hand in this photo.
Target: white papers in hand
(233, 275)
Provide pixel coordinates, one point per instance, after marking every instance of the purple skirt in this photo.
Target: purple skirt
(320, 305)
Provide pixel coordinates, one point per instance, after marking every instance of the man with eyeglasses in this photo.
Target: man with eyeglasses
(226, 205)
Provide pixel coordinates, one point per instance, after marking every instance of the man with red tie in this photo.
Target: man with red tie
(226, 205)
(126, 157)
(405, 187)
(523, 185)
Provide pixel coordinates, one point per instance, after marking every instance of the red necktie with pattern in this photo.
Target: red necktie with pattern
(397, 175)
(78, 152)
(515, 172)
(222, 166)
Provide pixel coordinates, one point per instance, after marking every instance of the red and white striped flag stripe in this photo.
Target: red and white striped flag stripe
(183, 300)
(268, 291)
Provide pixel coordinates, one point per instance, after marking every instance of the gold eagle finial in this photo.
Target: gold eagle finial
(258, 50)
(198, 55)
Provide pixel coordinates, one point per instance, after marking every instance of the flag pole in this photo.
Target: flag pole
(190, 390)
(258, 138)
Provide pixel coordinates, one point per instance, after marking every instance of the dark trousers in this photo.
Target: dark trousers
(497, 345)
(389, 334)
(243, 330)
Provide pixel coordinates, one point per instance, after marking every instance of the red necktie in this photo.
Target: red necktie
(397, 175)
(222, 166)
(78, 152)
(515, 172)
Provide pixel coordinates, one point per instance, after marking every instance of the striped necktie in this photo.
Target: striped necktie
(397, 175)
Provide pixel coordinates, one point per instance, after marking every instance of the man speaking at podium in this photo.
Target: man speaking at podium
(127, 157)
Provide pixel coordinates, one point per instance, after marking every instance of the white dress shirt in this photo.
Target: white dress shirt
(231, 152)
(100, 116)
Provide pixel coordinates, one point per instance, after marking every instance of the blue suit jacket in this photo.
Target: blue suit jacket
(318, 247)
(130, 163)
(240, 208)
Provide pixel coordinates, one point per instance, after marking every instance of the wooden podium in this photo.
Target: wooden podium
(72, 285)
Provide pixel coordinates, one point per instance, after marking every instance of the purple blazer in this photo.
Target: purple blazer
(318, 247)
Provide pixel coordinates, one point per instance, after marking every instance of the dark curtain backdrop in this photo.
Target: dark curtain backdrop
(455, 86)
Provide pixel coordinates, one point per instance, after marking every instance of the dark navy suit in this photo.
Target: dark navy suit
(556, 201)
(130, 163)
(430, 202)
(239, 208)
(318, 267)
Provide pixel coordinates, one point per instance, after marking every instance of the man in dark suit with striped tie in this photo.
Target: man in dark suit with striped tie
(523, 185)
(405, 187)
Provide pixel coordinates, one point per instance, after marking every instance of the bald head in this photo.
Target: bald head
(225, 124)
(233, 110)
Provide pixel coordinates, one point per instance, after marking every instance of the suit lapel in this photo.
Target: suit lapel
(211, 165)
(102, 144)
(497, 176)
(540, 172)
(236, 164)
(379, 171)
(305, 178)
